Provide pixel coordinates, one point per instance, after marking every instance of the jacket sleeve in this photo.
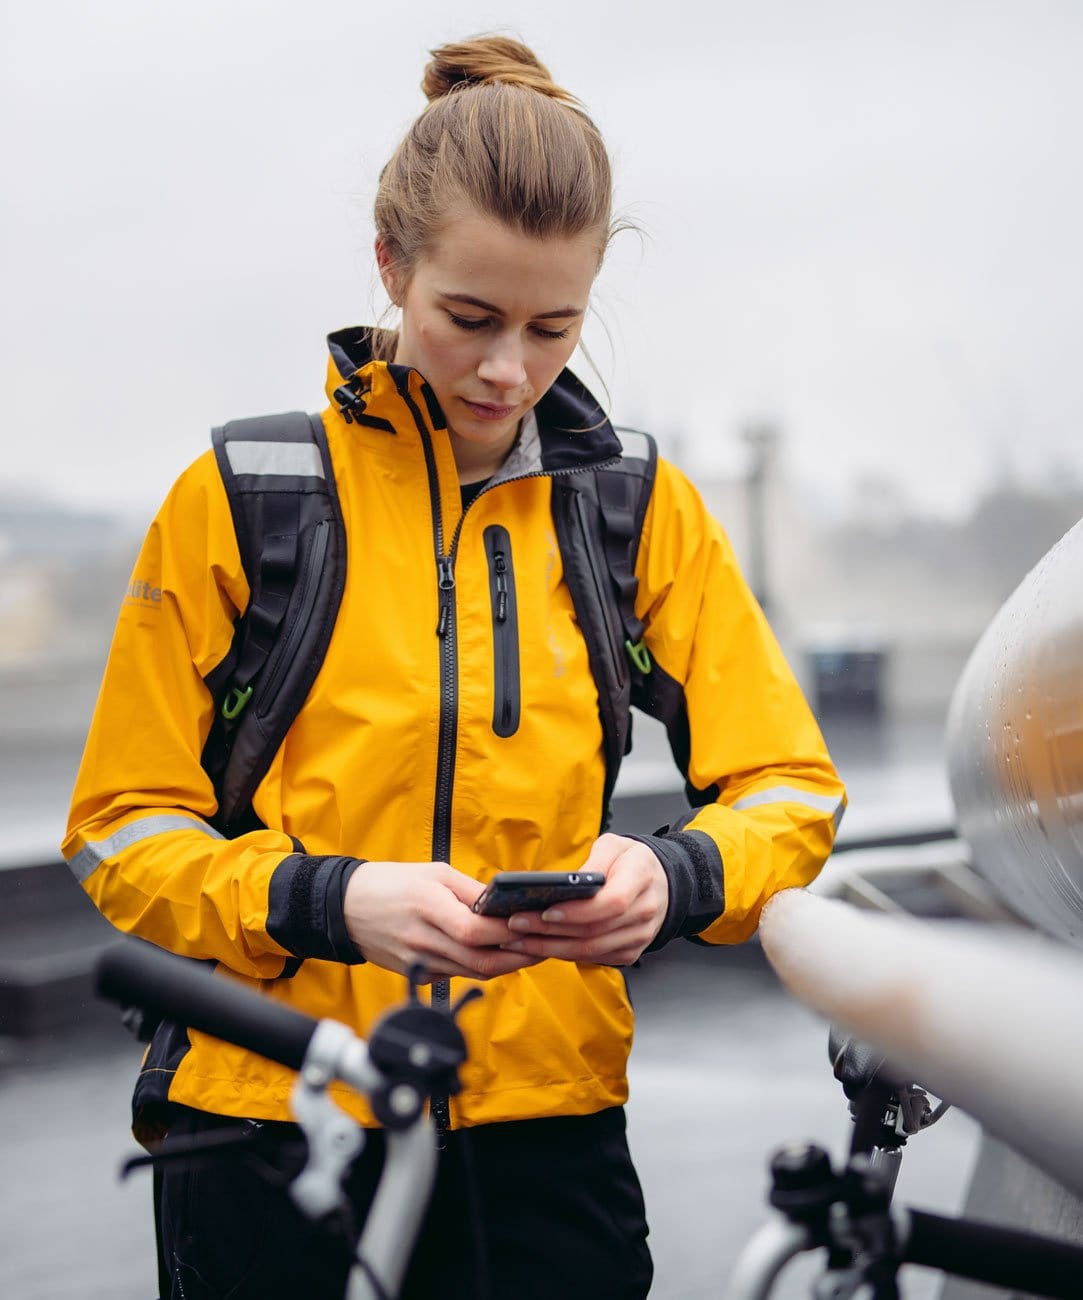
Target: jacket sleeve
(766, 797)
(139, 838)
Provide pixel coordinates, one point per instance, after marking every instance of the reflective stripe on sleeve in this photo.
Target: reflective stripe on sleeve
(292, 459)
(826, 803)
(91, 857)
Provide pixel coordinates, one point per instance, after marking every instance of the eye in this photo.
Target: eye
(553, 334)
(467, 322)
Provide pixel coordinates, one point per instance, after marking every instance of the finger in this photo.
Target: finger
(486, 967)
(627, 866)
(623, 899)
(610, 903)
(459, 920)
(465, 926)
(450, 970)
(600, 949)
(443, 897)
(561, 926)
(442, 955)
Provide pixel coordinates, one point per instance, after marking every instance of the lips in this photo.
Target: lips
(487, 411)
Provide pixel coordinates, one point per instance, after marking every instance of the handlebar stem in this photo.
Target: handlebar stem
(332, 1139)
(335, 1052)
(394, 1218)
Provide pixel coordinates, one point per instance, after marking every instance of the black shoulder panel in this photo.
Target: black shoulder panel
(280, 483)
(598, 517)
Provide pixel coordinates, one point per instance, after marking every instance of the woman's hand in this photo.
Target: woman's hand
(399, 913)
(610, 929)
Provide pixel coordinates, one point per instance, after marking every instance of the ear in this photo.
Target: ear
(390, 271)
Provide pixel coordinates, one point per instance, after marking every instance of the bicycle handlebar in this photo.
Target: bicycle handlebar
(987, 1252)
(135, 972)
(982, 1252)
(416, 1050)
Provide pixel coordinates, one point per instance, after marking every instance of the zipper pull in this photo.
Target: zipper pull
(446, 577)
(500, 564)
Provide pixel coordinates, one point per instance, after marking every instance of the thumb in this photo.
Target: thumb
(465, 888)
(605, 850)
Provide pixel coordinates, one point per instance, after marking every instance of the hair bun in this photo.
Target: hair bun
(486, 59)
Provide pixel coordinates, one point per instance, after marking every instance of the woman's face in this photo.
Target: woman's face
(490, 318)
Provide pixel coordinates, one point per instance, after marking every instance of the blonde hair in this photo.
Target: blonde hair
(501, 136)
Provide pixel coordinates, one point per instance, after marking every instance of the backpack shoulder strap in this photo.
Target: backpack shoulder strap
(624, 492)
(280, 484)
(598, 517)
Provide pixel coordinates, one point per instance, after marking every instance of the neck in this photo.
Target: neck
(476, 463)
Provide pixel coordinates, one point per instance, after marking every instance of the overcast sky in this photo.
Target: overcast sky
(862, 219)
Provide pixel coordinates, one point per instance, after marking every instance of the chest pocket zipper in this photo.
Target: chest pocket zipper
(506, 691)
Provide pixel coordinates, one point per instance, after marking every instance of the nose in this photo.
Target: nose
(503, 366)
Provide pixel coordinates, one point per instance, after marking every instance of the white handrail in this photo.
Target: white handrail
(982, 1016)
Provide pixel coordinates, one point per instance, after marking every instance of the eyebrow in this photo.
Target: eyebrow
(470, 301)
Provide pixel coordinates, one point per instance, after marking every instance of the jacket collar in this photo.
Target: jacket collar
(573, 430)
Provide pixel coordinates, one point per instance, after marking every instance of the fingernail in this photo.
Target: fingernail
(554, 914)
(517, 946)
(519, 923)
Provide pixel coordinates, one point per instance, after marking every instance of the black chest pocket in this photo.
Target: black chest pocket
(506, 682)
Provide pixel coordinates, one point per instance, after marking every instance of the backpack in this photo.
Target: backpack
(281, 489)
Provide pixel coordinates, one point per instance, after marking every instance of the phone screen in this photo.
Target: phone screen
(533, 891)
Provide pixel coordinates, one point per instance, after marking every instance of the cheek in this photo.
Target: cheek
(546, 367)
(445, 347)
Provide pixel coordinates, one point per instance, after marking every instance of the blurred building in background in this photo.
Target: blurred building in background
(62, 576)
(879, 608)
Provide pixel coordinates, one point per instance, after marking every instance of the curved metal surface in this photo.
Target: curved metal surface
(1015, 745)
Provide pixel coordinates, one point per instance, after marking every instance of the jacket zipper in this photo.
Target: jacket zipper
(449, 684)
(449, 707)
(505, 631)
(309, 588)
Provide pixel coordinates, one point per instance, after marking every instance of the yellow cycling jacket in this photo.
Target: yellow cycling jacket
(362, 773)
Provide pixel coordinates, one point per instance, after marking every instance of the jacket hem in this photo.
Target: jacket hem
(585, 1096)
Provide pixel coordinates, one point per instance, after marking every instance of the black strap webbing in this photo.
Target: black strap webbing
(618, 497)
(599, 520)
(275, 571)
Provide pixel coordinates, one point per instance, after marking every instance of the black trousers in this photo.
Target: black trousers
(533, 1209)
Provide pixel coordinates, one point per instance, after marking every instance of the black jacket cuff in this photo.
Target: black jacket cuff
(305, 907)
(697, 896)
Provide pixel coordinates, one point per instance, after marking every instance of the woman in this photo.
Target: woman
(395, 795)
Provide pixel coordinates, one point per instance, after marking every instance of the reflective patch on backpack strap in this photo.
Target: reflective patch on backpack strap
(288, 459)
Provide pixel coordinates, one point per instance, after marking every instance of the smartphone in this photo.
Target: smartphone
(533, 891)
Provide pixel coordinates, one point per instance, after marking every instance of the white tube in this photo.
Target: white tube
(985, 1017)
(394, 1219)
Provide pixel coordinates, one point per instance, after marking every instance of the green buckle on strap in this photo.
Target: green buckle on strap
(235, 702)
(639, 655)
